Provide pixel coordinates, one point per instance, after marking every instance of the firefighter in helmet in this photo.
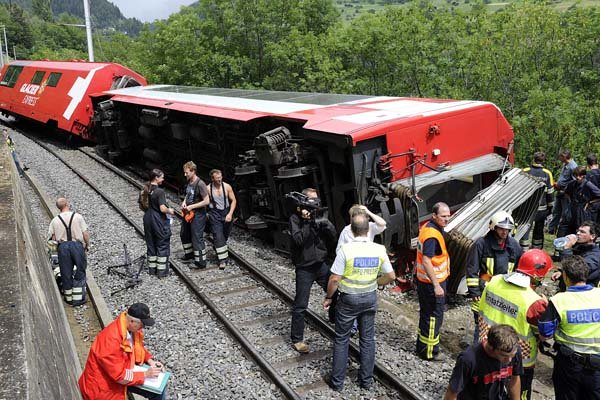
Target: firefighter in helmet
(496, 253)
(511, 299)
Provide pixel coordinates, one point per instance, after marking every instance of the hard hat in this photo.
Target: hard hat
(501, 219)
(535, 263)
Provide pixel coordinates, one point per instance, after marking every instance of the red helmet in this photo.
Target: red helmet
(535, 262)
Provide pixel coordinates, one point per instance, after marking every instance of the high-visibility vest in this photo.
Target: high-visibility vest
(579, 327)
(363, 263)
(441, 263)
(505, 303)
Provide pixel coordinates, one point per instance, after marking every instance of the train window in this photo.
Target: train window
(455, 193)
(12, 74)
(54, 78)
(37, 77)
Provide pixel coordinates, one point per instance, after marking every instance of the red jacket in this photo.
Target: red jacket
(109, 367)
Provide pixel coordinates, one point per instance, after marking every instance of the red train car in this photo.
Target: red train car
(58, 93)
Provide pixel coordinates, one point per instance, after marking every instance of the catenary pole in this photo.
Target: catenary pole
(88, 30)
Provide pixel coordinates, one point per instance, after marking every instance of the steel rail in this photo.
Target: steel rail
(266, 367)
(383, 374)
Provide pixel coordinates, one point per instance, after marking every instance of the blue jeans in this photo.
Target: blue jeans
(305, 276)
(351, 307)
(147, 394)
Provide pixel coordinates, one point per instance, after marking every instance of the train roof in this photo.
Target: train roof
(63, 65)
(335, 113)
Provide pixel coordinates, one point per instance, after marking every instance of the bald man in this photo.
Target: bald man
(71, 232)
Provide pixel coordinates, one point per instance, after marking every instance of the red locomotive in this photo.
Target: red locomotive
(59, 93)
(396, 155)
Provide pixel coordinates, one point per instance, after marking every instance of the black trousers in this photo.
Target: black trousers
(572, 381)
(431, 316)
(220, 230)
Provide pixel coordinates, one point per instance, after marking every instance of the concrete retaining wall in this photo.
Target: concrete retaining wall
(38, 355)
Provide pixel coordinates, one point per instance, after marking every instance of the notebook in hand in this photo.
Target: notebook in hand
(154, 385)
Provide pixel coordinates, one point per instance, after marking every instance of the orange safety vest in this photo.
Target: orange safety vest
(441, 263)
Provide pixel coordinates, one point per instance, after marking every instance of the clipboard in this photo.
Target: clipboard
(154, 385)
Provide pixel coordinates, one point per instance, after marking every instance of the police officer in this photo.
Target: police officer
(511, 299)
(309, 250)
(220, 214)
(546, 202)
(433, 268)
(157, 227)
(496, 253)
(358, 268)
(561, 212)
(193, 208)
(71, 232)
(573, 318)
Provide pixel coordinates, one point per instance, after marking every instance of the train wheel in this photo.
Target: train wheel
(102, 151)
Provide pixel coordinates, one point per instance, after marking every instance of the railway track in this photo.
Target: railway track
(250, 305)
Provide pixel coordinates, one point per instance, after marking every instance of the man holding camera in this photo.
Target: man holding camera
(309, 250)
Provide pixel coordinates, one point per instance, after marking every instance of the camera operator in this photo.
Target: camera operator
(309, 250)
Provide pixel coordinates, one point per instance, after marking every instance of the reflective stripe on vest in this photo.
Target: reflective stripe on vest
(363, 263)
(441, 263)
(579, 327)
(505, 303)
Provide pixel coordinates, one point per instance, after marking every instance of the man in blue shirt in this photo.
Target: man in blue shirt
(560, 212)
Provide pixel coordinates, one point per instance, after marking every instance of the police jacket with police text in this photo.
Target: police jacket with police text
(488, 258)
(309, 240)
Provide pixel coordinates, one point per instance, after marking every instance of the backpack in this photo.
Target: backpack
(144, 199)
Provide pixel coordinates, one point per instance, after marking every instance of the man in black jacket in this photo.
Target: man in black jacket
(583, 244)
(546, 202)
(309, 250)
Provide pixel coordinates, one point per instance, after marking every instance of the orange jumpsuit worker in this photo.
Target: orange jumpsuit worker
(108, 373)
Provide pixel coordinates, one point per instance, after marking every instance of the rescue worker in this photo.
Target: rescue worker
(157, 226)
(511, 299)
(220, 214)
(490, 369)
(583, 244)
(310, 237)
(193, 208)
(433, 268)
(358, 268)
(496, 253)
(561, 215)
(573, 318)
(584, 197)
(11, 146)
(109, 371)
(70, 231)
(546, 203)
(593, 173)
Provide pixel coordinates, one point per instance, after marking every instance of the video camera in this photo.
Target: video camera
(297, 202)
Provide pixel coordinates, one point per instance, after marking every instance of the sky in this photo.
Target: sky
(149, 10)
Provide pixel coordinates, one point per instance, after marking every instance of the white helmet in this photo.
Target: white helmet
(501, 219)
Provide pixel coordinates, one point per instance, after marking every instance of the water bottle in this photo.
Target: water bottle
(561, 242)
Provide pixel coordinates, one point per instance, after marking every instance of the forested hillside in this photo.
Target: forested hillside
(104, 13)
(538, 63)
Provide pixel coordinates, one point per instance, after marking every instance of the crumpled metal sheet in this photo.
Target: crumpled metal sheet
(516, 192)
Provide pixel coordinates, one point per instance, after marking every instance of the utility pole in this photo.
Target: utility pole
(1, 55)
(5, 41)
(88, 30)
(15, 51)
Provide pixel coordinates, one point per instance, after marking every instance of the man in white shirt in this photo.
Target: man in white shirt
(376, 226)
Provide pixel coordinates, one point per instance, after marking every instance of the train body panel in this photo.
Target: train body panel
(58, 93)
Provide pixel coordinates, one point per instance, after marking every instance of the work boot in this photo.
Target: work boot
(301, 347)
(197, 265)
(186, 257)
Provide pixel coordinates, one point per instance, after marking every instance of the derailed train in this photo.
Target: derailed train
(396, 155)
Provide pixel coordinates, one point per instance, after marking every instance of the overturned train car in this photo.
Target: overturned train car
(398, 156)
